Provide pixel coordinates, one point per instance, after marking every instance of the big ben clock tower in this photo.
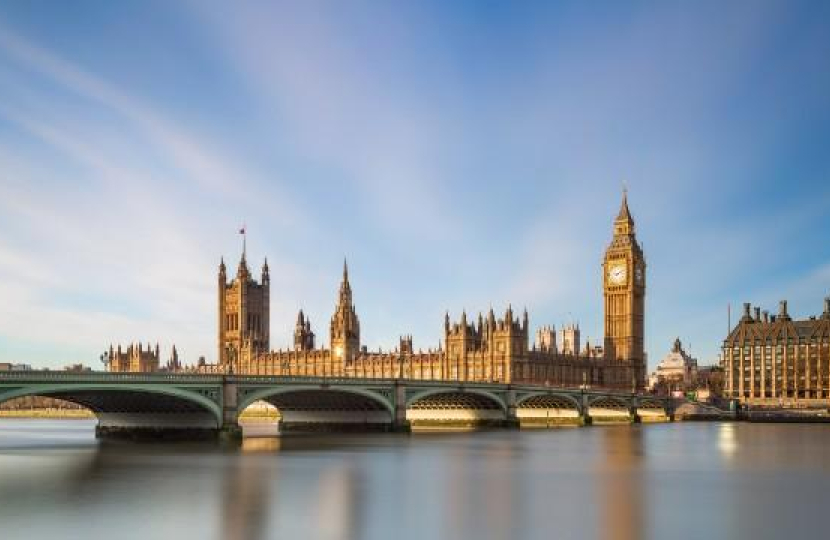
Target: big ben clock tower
(624, 287)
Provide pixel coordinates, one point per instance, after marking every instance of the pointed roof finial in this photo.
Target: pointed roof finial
(345, 270)
(624, 214)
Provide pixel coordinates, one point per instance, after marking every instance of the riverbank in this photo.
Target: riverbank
(252, 416)
(83, 414)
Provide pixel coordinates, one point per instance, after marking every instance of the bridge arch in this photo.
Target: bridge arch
(651, 407)
(609, 402)
(489, 396)
(106, 399)
(283, 394)
(548, 400)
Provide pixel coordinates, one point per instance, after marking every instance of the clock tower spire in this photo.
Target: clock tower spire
(624, 288)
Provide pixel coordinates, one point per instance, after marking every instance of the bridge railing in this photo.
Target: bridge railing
(105, 376)
(196, 378)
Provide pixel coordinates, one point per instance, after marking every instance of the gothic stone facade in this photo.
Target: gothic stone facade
(136, 358)
(774, 360)
(484, 349)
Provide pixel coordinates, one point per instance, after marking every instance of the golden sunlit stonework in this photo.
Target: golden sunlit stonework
(485, 348)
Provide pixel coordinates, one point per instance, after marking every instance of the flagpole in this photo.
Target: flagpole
(244, 232)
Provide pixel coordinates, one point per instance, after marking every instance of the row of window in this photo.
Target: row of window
(254, 322)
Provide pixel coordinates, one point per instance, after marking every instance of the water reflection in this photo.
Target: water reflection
(727, 443)
(621, 483)
(615, 482)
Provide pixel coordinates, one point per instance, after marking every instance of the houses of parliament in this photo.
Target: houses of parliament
(484, 348)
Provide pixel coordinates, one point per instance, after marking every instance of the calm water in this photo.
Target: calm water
(692, 480)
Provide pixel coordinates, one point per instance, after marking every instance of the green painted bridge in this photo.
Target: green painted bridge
(189, 405)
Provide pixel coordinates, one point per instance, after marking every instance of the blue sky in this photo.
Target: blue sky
(459, 154)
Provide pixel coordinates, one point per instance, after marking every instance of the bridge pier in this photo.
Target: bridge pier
(399, 422)
(230, 430)
(585, 411)
(512, 418)
(670, 408)
(634, 416)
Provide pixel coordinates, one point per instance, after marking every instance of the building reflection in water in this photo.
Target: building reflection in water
(245, 498)
(261, 496)
(727, 441)
(479, 493)
(620, 483)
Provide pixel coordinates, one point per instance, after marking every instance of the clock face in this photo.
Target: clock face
(616, 274)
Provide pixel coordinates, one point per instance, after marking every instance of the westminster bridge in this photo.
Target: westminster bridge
(195, 405)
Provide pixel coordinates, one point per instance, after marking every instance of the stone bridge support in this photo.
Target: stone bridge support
(399, 421)
(230, 429)
(633, 410)
(585, 410)
(512, 420)
(670, 408)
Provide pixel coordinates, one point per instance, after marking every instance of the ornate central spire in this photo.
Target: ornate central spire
(345, 287)
(345, 327)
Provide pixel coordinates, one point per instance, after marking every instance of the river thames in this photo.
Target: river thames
(681, 480)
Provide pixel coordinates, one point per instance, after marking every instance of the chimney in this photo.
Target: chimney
(827, 307)
(766, 316)
(747, 316)
(757, 314)
(782, 309)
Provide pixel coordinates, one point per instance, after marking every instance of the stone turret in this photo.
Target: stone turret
(507, 336)
(570, 339)
(546, 339)
(406, 344)
(303, 336)
(136, 358)
(174, 364)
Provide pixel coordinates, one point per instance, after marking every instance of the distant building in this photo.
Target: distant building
(7, 366)
(77, 368)
(678, 370)
(774, 360)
